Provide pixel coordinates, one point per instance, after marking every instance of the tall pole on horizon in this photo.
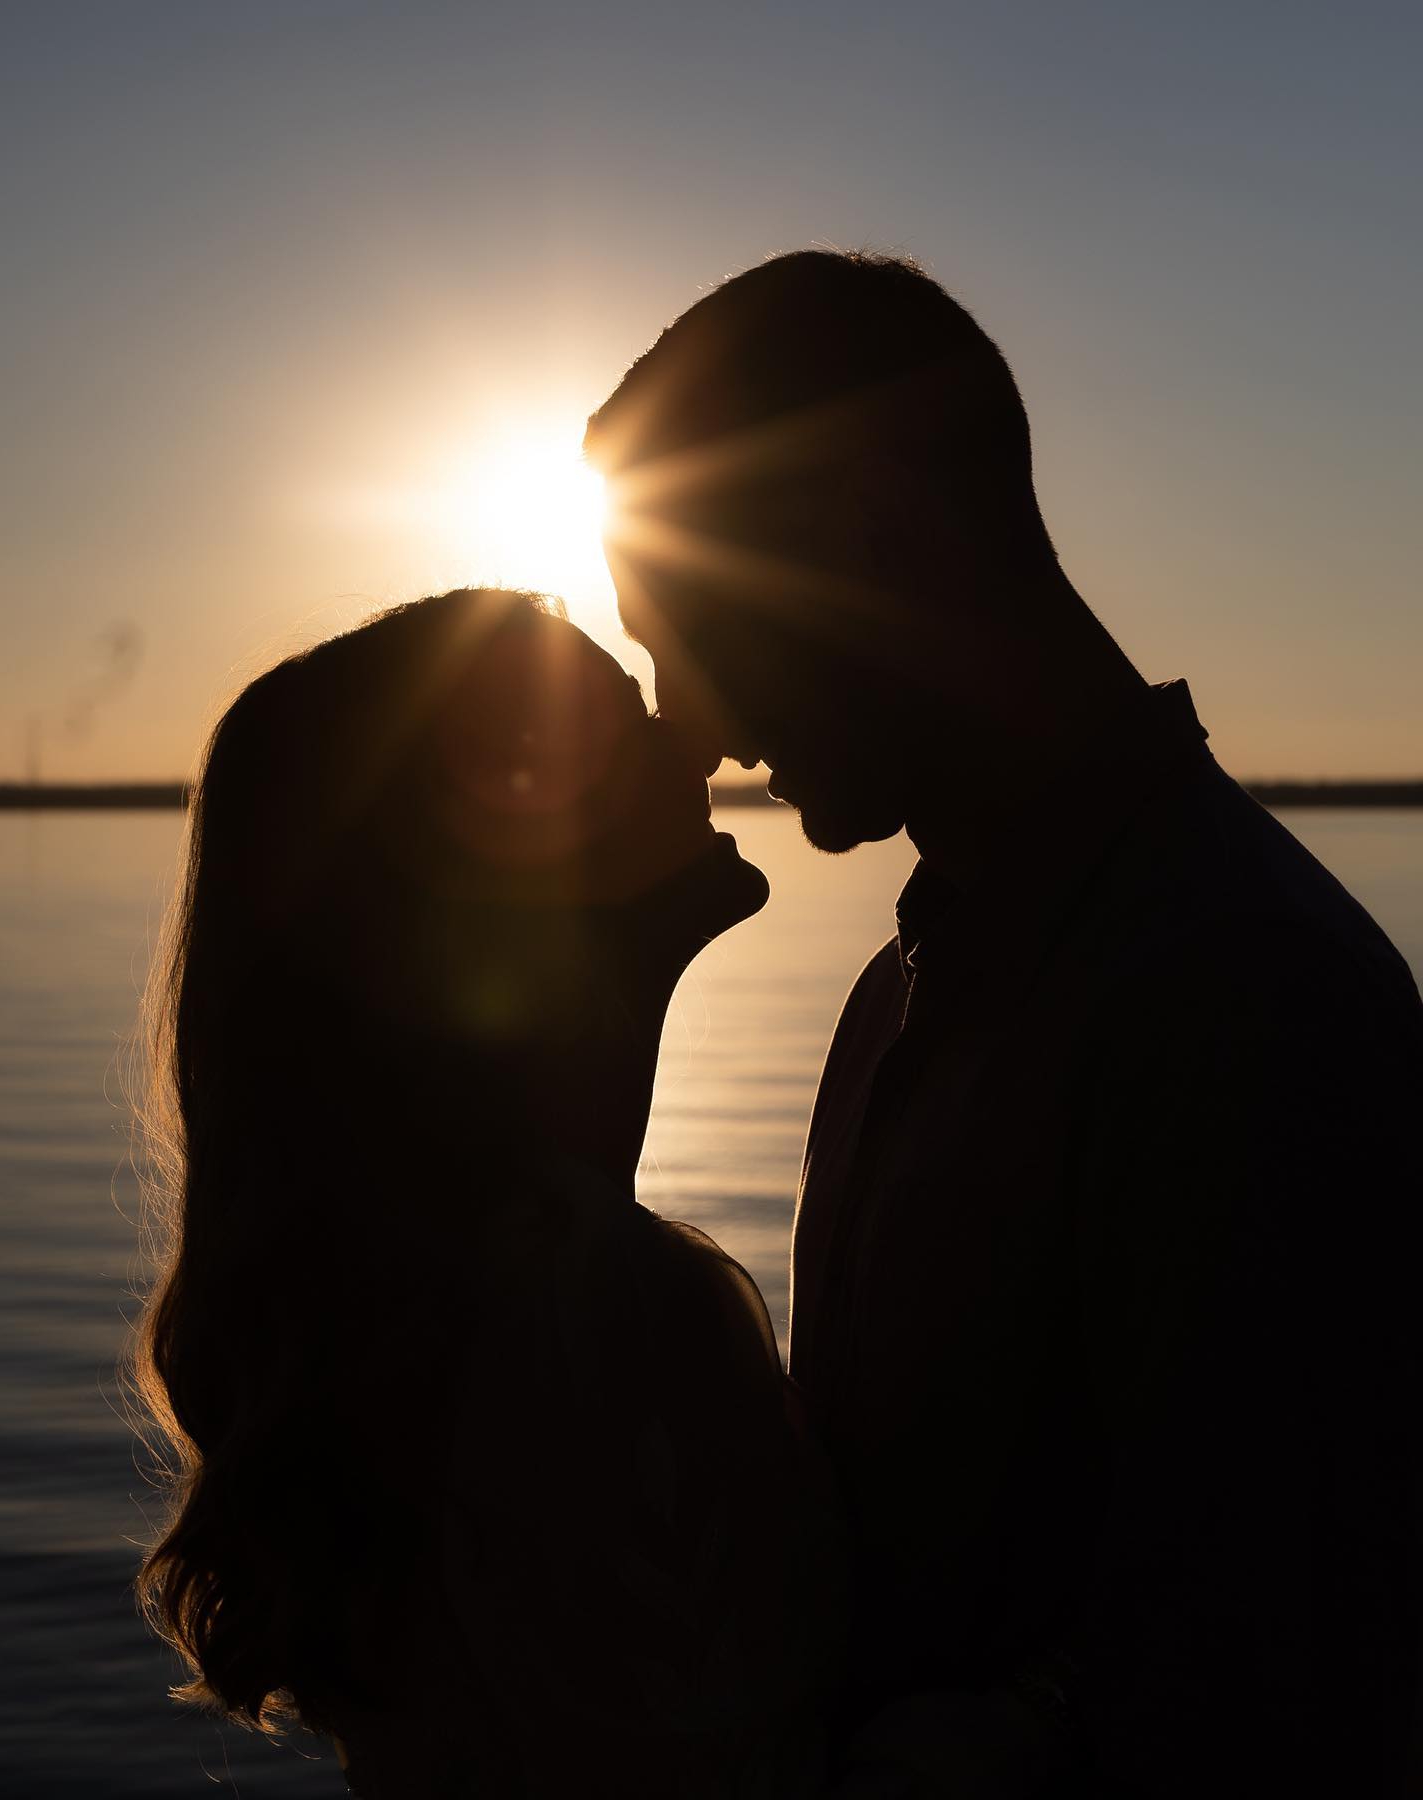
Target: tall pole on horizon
(34, 742)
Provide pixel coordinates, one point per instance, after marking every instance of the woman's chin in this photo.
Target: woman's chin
(709, 894)
(739, 885)
(667, 922)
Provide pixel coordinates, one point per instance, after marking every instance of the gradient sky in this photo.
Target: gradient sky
(282, 279)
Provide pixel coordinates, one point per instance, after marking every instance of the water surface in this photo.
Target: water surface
(82, 1707)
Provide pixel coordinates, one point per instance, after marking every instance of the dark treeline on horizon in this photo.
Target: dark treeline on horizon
(159, 796)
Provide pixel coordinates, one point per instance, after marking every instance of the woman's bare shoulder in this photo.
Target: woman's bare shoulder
(733, 1287)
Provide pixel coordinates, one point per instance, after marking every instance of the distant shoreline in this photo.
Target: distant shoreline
(93, 796)
(169, 796)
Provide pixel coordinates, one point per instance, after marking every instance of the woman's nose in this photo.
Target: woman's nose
(679, 752)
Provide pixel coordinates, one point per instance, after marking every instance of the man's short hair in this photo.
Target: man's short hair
(823, 357)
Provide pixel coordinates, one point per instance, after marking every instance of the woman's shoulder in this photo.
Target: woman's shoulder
(575, 1239)
(727, 1305)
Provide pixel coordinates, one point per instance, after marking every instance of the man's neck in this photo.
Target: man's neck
(1032, 714)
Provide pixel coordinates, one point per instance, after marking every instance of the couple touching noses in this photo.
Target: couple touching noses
(1098, 1472)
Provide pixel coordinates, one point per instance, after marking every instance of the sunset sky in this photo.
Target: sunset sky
(305, 304)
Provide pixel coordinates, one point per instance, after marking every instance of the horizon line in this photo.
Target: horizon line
(173, 795)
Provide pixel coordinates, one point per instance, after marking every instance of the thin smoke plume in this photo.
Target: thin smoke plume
(121, 647)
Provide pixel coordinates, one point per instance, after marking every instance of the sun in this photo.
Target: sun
(524, 510)
(506, 502)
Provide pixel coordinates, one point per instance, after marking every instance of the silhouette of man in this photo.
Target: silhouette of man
(1106, 1252)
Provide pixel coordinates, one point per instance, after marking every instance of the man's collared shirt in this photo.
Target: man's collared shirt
(1104, 1282)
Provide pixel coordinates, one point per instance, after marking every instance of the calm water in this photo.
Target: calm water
(82, 1707)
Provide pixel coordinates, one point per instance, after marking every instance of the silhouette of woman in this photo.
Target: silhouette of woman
(477, 1465)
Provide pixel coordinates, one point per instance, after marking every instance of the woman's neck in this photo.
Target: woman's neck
(602, 1084)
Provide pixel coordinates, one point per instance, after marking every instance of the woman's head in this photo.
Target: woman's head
(434, 864)
(461, 800)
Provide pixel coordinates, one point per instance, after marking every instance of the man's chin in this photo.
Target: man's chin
(838, 829)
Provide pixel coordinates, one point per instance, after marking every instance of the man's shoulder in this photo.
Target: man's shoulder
(875, 1003)
(1207, 884)
(869, 1022)
(881, 982)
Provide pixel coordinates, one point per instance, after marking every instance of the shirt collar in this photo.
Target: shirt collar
(926, 902)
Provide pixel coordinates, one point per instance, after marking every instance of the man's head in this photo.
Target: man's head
(816, 474)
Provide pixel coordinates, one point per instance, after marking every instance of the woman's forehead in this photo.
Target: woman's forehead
(601, 669)
(545, 681)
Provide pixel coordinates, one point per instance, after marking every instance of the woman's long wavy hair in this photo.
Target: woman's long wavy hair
(335, 1074)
